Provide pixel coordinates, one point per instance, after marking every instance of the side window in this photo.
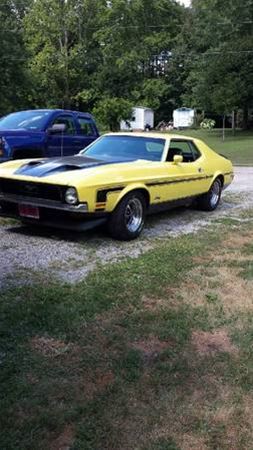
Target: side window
(68, 121)
(155, 149)
(195, 151)
(185, 148)
(86, 126)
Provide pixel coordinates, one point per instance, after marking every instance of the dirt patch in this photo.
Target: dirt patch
(49, 347)
(237, 240)
(207, 343)
(104, 380)
(235, 292)
(224, 414)
(93, 383)
(153, 303)
(231, 248)
(151, 347)
(236, 419)
(247, 406)
(223, 285)
(190, 292)
(191, 442)
(65, 440)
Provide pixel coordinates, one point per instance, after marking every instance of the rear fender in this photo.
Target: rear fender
(217, 174)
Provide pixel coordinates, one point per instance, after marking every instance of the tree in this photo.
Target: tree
(110, 112)
(220, 73)
(63, 49)
(136, 38)
(13, 81)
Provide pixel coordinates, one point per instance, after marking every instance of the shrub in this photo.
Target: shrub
(110, 111)
(207, 124)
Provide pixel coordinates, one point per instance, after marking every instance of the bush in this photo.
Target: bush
(110, 112)
(207, 124)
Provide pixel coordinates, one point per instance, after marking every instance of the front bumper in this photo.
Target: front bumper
(52, 213)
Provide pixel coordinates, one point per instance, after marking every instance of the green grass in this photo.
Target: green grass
(110, 363)
(8, 222)
(238, 148)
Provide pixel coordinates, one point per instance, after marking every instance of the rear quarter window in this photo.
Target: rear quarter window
(86, 126)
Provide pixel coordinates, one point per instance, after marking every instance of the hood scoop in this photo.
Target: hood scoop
(57, 165)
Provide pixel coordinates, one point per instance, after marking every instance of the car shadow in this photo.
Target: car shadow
(98, 234)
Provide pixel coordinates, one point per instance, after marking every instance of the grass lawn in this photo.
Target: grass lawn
(147, 354)
(238, 148)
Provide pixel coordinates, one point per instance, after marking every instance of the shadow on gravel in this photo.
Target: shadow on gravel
(98, 233)
(177, 218)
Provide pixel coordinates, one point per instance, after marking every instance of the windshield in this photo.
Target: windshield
(126, 148)
(25, 120)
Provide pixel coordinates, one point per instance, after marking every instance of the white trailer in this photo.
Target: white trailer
(142, 119)
(183, 117)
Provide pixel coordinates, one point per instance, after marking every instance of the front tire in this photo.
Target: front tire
(128, 218)
(210, 200)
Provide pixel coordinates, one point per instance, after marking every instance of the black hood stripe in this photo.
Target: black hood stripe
(54, 166)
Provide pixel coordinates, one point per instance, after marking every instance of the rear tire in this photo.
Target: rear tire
(128, 218)
(210, 200)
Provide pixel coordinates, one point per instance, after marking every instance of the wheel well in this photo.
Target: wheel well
(24, 154)
(221, 178)
(145, 193)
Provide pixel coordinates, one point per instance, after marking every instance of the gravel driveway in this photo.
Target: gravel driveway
(27, 254)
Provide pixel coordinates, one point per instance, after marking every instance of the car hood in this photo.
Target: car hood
(74, 170)
(20, 133)
(53, 166)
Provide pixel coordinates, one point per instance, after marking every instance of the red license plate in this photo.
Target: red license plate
(31, 212)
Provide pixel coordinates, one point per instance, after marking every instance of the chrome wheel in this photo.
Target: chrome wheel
(215, 194)
(133, 215)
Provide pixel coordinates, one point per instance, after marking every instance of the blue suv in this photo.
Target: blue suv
(45, 133)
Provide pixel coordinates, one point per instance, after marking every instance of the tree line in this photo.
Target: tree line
(106, 56)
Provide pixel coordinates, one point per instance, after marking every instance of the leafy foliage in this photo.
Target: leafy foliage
(110, 111)
(219, 78)
(13, 82)
(78, 53)
(207, 124)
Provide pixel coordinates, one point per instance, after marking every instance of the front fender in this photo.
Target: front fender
(114, 198)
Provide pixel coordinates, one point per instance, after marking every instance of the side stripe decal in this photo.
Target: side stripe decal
(102, 194)
(184, 180)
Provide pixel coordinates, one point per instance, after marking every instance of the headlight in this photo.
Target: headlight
(71, 196)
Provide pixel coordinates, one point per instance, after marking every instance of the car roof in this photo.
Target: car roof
(56, 110)
(157, 135)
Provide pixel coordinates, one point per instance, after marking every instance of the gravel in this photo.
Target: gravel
(29, 254)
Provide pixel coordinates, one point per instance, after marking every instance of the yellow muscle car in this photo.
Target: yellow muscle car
(118, 180)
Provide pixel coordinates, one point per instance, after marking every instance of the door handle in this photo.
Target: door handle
(77, 142)
(200, 170)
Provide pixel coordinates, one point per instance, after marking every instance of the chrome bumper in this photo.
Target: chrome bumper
(44, 203)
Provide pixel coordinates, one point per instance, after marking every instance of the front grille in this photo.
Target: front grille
(31, 189)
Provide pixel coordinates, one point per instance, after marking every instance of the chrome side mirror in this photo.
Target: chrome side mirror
(177, 159)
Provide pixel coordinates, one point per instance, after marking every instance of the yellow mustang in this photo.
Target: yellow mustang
(118, 179)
